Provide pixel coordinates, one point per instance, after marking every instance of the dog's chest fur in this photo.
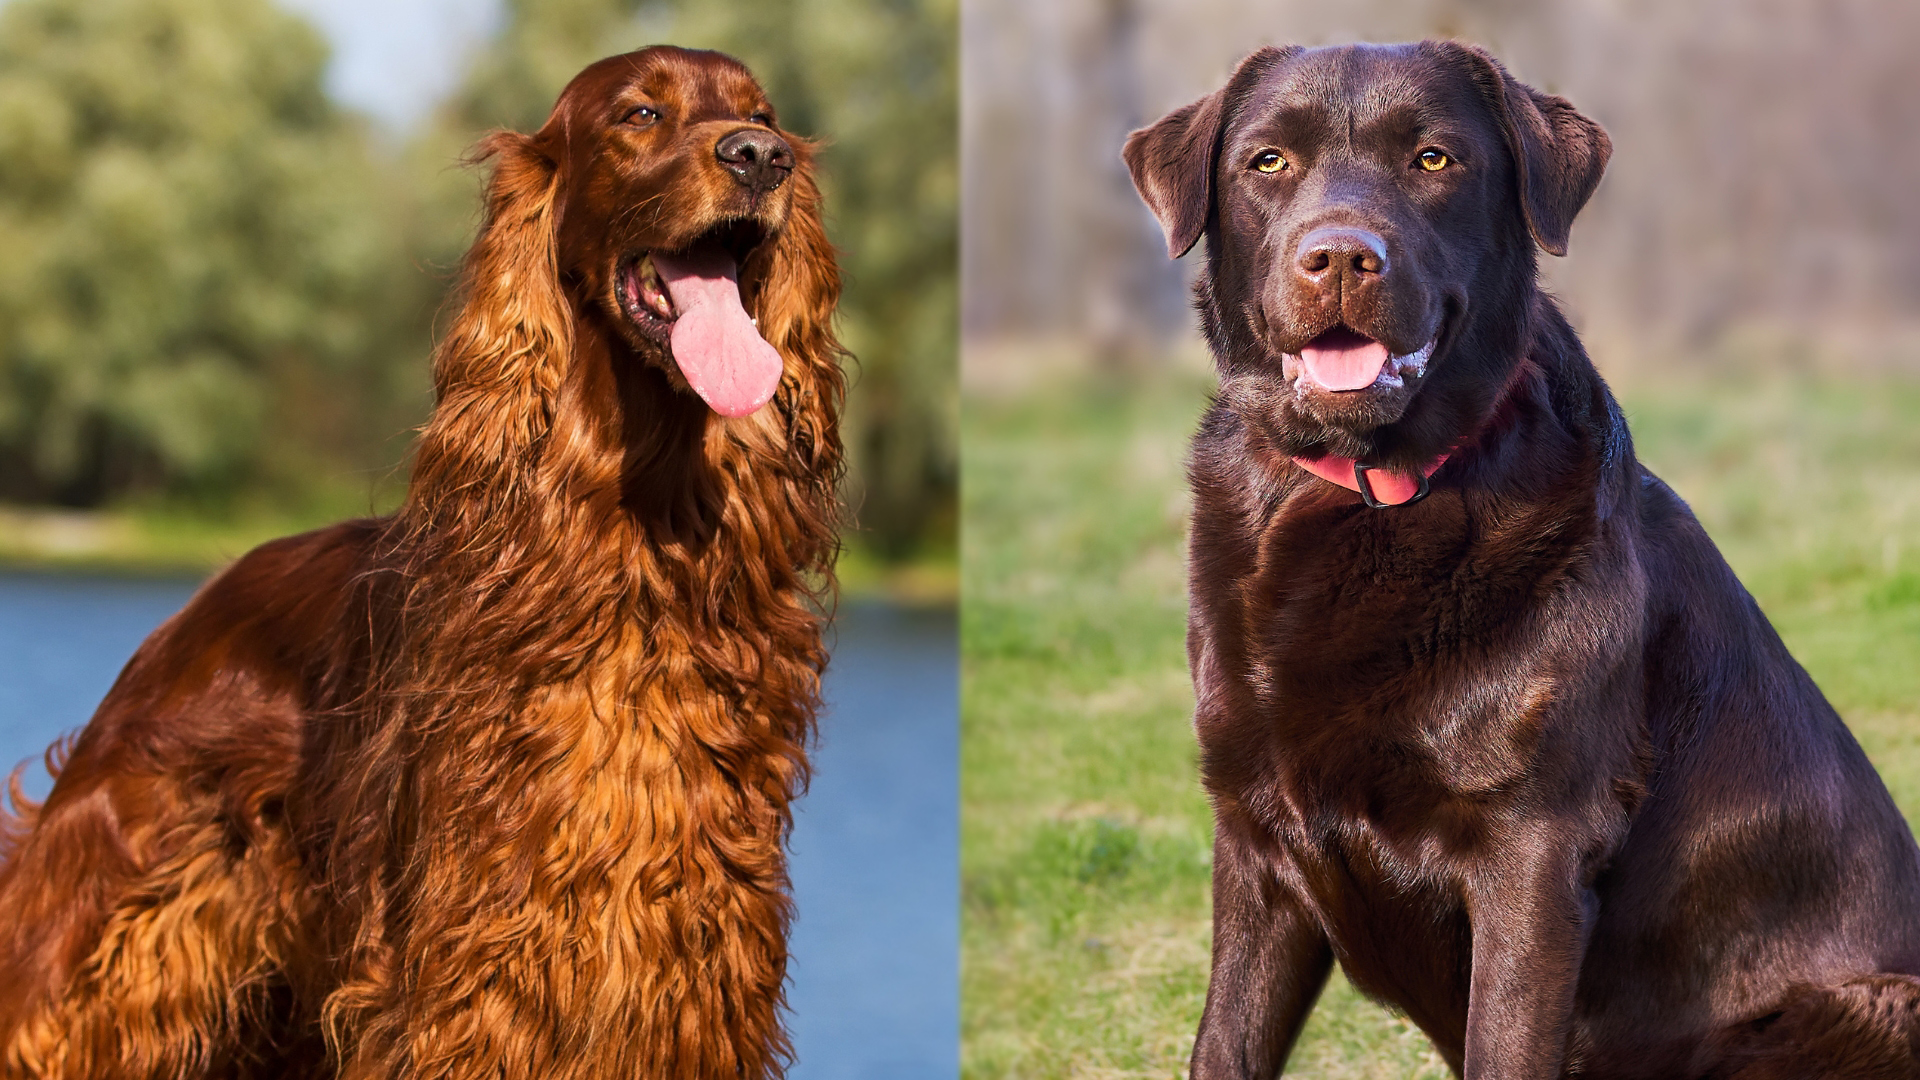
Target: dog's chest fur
(1381, 692)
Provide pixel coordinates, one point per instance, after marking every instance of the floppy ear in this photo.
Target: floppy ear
(794, 307)
(1558, 153)
(1172, 160)
(498, 368)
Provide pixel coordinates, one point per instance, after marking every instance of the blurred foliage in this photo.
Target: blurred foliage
(876, 81)
(219, 285)
(206, 268)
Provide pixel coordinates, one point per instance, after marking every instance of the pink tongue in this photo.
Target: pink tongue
(1343, 360)
(716, 345)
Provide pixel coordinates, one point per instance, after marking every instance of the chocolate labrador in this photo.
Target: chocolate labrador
(1483, 714)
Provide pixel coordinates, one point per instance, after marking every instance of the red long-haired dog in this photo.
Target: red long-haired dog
(498, 785)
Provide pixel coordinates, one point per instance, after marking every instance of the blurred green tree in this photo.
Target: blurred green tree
(206, 271)
(877, 81)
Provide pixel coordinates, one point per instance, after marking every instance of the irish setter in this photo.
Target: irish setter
(498, 785)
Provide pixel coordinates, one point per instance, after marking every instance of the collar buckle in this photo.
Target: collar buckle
(1365, 487)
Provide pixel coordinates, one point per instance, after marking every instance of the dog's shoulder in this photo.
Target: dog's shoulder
(263, 619)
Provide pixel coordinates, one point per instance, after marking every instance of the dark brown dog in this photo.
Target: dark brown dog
(496, 786)
(1523, 755)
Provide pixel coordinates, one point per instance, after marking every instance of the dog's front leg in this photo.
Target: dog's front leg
(1270, 960)
(1531, 917)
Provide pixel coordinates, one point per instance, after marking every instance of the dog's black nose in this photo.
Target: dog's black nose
(757, 158)
(1329, 254)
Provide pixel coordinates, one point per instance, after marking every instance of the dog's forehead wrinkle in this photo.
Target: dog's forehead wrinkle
(1403, 120)
(1393, 114)
(719, 101)
(1311, 81)
(1361, 85)
(709, 95)
(722, 92)
(1295, 123)
(1348, 74)
(1383, 118)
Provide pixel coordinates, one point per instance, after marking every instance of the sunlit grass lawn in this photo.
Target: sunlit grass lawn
(1085, 836)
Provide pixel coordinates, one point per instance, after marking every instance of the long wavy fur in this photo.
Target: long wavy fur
(552, 736)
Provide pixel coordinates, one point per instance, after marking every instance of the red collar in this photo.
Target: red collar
(1378, 487)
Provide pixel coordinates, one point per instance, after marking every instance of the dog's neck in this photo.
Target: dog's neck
(544, 518)
(1382, 487)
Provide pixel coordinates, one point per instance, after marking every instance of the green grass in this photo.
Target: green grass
(1085, 835)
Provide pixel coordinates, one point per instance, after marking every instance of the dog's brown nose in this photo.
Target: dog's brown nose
(1341, 253)
(757, 158)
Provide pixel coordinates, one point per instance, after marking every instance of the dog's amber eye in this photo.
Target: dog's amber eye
(641, 117)
(1269, 161)
(760, 118)
(1433, 160)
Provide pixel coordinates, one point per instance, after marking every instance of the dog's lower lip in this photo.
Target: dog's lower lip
(1413, 363)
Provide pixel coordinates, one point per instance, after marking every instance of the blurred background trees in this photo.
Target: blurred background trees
(221, 285)
(1760, 194)
(201, 259)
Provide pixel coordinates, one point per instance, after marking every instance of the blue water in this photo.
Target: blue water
(874, 975)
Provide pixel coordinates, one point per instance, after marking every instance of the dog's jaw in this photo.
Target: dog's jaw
(647, 307)
(639, 296)
(642, 297)
(1267, 381)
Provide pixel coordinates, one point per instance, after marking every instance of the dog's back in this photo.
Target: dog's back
(177, 790)
(1767, 858)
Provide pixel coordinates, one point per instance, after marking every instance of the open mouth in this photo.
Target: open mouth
(1343, 360)
(644, 296)
(689, 300)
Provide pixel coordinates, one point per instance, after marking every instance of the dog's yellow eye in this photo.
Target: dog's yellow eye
(1433, 160)
(1269, 161)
